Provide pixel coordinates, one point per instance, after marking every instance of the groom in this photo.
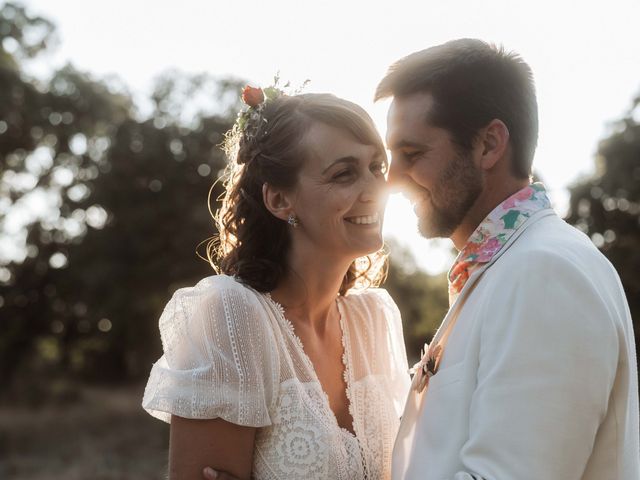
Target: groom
(532, 374)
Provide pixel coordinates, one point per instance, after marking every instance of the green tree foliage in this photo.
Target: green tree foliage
(109, 208)
(422, 298)
(606, 206)
(23, 34)
(126, 206)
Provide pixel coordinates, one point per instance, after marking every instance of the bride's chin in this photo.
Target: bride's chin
(375, 247)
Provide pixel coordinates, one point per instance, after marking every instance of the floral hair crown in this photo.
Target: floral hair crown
(251, 117)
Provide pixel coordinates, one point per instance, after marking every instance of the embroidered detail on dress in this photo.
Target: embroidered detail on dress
(309, 363)
(225, 334)
(348, 380)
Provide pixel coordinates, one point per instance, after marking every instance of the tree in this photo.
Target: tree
(423, 299)
(83, 281)
(606, 206)
(41, 123)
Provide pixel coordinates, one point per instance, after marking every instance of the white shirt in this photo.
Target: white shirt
(229, 352)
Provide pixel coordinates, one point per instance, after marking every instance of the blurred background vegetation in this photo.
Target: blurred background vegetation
(110, 207)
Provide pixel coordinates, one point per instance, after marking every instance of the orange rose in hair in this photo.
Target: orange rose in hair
(252, 96)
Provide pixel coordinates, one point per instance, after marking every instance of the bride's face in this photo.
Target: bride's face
(341, 193)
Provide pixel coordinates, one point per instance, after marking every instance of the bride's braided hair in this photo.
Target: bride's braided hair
(267, 147)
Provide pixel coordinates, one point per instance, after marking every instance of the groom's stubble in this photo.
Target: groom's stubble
(450, 200)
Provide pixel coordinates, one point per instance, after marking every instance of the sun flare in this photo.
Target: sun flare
(401, 226)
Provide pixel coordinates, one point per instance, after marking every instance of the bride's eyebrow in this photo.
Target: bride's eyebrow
(349, 159)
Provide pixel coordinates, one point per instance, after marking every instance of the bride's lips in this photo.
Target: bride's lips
(365, 220)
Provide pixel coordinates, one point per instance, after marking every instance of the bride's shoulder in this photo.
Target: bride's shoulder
(219, 282)
(214, 287)
(374, 299)
(218, 298)
(373, 311)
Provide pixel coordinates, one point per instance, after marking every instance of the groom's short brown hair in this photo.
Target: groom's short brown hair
(472, 83)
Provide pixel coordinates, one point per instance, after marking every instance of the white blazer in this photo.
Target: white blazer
(538, 377)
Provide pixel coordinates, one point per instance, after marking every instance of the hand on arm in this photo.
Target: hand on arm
(195, 444)
(210, 474)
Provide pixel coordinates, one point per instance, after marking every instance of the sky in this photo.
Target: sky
(585, 57)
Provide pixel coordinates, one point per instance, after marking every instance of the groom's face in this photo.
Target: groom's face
(439, 177)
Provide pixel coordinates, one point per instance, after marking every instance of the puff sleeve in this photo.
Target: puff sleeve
(220, 358)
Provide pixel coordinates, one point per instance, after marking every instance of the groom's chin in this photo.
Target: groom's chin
(432, 227)
(427, 229)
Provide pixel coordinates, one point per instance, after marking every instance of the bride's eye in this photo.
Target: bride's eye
(379, 167)
(342, 174)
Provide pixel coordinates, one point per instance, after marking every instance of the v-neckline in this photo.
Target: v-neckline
(346, 361)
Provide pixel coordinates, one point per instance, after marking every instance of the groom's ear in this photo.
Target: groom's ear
(277, 201)
(493, 143)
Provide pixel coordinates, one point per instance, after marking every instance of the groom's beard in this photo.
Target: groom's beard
(444, 207)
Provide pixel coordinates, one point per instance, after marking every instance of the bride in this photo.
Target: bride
(289, 363)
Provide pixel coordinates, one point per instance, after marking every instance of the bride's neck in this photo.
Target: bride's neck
(310, 285)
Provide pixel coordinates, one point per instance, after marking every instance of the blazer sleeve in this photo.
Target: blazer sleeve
(547, 364)
(219, 360)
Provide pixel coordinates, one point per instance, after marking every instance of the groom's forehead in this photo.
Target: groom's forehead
(407, 116)
(412, 106)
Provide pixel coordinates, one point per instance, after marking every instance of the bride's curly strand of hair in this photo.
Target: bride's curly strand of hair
(267, 147)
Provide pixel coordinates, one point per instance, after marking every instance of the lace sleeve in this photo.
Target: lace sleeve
(219, 356)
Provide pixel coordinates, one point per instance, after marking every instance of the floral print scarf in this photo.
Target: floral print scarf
(494, 232)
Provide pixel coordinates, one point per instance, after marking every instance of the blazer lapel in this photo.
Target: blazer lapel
(414, 404)
(450, 317)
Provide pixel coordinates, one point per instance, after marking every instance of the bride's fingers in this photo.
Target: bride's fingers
(209, 473)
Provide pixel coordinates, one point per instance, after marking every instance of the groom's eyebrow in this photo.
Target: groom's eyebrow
(408, 144)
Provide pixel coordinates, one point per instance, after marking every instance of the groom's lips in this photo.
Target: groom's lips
(420, 202)
(416, 197)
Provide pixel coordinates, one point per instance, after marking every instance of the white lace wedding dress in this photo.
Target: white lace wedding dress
(229, 352)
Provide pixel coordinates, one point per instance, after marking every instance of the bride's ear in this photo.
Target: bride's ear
(278, 202)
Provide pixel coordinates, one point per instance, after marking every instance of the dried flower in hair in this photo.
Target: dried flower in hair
(252, 96)
(251, 120)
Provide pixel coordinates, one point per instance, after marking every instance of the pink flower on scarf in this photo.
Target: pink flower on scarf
(488, 250)
(520, 196)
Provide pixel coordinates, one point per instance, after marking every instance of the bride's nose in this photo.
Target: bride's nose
(375, 190)
(393, 173)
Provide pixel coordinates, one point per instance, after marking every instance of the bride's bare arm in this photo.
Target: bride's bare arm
(195, 444)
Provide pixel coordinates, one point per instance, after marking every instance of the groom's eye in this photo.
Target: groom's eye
(412, 155)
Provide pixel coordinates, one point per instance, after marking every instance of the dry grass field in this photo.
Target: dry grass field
(100, 434)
